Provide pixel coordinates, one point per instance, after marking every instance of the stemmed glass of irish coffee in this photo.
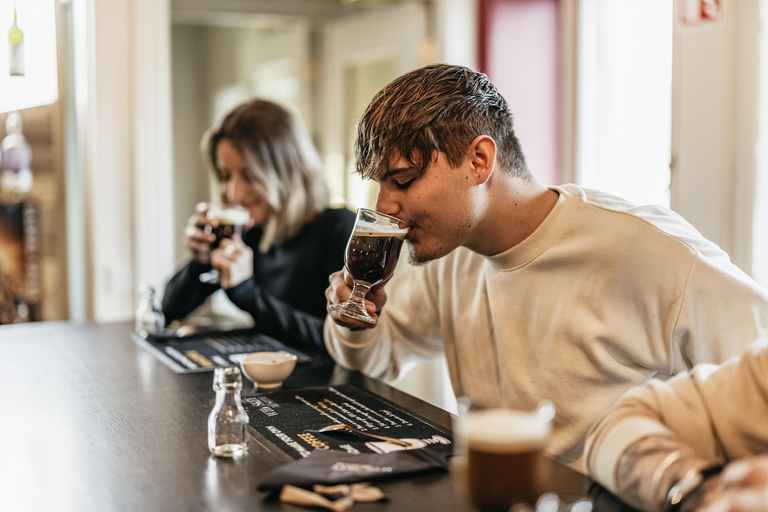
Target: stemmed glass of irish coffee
(370, 258)
(228, 222)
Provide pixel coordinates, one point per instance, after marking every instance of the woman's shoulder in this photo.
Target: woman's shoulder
(335, 219)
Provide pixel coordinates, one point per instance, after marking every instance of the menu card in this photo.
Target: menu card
(289, 420)
(204, 352)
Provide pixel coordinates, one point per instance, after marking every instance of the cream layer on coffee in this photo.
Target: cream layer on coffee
(363, 228)
(232, 216)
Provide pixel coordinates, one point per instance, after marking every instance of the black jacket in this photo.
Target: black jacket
(286, 295)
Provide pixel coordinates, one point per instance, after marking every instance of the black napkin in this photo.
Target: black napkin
(336, 467)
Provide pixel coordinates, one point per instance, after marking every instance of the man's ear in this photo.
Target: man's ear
(482, 154)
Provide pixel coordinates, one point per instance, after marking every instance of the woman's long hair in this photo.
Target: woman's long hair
(280, 161)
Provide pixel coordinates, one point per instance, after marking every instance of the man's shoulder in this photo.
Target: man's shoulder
(646, 224)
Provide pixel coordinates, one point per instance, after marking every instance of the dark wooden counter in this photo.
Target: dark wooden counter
(91, 421)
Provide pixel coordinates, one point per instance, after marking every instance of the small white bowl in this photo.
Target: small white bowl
(268, 370)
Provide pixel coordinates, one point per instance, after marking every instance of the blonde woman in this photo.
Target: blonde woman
(278, 271)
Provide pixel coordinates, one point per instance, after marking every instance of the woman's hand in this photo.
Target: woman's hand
(341, 288)
(198, 235)
(234, 261)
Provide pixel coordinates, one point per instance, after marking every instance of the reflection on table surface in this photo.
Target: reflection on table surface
(91, 421)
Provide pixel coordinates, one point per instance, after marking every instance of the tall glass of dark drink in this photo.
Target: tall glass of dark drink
(370, 258)
(497, 460)
(229, 221)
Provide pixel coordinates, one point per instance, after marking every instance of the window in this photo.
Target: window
(624, 101)
(37, 20)
(760, 225)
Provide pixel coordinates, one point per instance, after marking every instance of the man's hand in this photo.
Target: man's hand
(198, 235)
(234, 261)
(742, 486)
(341, 288)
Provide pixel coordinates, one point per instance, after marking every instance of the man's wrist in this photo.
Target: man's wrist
(686, 494)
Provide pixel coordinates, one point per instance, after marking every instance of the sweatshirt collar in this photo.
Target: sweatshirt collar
(544, 235)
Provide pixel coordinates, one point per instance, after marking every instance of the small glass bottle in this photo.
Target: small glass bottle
(228, 420)
(15, 171)
(15, 48)
(149, 318)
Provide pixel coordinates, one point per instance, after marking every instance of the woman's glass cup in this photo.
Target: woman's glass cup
(371, 257)
(229, 221)
(499, 449)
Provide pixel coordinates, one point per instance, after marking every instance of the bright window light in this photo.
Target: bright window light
(37, 19)
(760, 226)
(625, 98)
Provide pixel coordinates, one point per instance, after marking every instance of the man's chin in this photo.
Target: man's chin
(415, 256)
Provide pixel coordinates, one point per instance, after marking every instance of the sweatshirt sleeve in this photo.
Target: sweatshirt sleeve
(277, 318)
(722, 312)
(657, 432)
(184, 292)
(408, 330)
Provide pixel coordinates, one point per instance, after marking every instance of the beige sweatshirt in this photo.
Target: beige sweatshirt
(603, 296)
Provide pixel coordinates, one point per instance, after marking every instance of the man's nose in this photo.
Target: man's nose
(386, 202)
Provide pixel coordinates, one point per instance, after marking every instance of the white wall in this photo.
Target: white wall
(714, 132)
(760, 179)
(153, 198)
(105, 94)
(190, 175)
(396, 36)
(123, 120)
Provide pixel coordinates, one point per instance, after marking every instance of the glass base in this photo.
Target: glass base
(210, 277)
(353, 310)
(229, 451)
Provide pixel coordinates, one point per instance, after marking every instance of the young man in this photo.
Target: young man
(676, 435)
(560, 293)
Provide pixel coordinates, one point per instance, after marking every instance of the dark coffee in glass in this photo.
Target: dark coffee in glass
(223, 231)
(370, 258)
(230, 222)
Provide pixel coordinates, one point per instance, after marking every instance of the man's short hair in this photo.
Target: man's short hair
(437, 108)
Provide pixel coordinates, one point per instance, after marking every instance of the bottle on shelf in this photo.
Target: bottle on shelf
(15, 171)
(15, 48)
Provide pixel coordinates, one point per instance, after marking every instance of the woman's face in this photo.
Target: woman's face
(235, 186)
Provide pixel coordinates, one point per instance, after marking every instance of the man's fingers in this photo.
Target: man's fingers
(338, 292)
(378, 296)
(349, 322)
(339, 287)
(348, 278)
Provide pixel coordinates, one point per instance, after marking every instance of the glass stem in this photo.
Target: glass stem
(359, 291)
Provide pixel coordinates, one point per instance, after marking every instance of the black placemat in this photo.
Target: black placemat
(285, 419)
(204, 352)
